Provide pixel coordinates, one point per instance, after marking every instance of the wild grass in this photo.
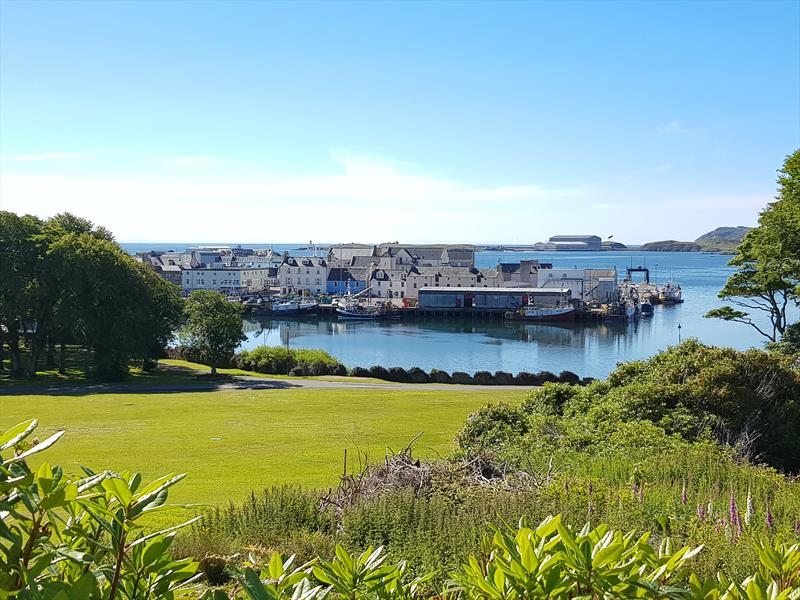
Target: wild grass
(438, 531)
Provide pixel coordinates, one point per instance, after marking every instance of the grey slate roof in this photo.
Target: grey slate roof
(343, 274)
(305, 261)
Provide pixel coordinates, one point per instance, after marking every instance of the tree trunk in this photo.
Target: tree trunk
(62, 359)
(13, 351)
(34, 361)
(50, 361)
(87, 360)
(213, 371)
(2, 352)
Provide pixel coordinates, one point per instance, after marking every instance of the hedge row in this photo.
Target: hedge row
(277, 360)
(417, 375)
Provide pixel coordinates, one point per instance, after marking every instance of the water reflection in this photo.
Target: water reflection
(591, 349)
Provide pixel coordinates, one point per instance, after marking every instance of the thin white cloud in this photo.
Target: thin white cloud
(199, 160)
(672, 127)
(370, 198)
(46, 156)
(660, 168)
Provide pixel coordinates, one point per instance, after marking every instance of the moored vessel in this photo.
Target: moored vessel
(534, 312)
(295, 307)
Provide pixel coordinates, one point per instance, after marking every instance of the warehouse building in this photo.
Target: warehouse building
(489, 300)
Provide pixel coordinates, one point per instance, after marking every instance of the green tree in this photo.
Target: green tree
(767, 277)
(64, 280)
(20, 256)
(213, 327)
(119, 309)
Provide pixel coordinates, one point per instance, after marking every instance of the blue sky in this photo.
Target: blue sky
(480, 122)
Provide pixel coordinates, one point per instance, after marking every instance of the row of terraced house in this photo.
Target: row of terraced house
(390, 271)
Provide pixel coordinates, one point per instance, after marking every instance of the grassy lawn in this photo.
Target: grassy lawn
(232, 442)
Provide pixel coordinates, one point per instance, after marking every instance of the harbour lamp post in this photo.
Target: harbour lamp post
(29, 327)
(288, 332)
(679, 333)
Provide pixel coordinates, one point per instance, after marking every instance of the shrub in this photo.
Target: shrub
(274, 360)
(379, 372)
(50, 520)
(503, 378)
(492, 426)
(462, 378)
(525, 378)
(359, 372)
(749, 399)
(339, 370)
(483, 378)
(315, 362)
(551, 398)
(568, 377)
(299, 371)
(438, 376)
(213, 567)
(399, 374)
(417, 375)
(546, 376)
(270, 360)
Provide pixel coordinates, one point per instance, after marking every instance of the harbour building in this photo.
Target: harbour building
(574, 242)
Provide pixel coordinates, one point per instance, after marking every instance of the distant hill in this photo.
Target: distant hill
(722, 238)
(670, 246)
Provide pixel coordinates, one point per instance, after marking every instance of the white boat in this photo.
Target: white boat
(670, 293)
(295, 307)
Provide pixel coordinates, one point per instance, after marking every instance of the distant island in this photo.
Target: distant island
(722, 239)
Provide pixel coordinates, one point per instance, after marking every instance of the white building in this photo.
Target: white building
(225, 279)
(447, 277)
(588, 285)
(298, 274)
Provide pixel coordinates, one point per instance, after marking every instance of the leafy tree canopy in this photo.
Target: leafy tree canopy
(213, 327)
(767, 277)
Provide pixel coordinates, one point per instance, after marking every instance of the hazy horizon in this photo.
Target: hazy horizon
(499, 123)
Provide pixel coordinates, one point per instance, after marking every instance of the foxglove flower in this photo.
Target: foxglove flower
(749, 510)
(701, 512)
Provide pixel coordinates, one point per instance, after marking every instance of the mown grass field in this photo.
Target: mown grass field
(232, 442)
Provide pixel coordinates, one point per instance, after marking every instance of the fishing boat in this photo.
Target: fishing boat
(365, 312)
(295, 307)
(647, 310)
(670, 293)
(540, 312)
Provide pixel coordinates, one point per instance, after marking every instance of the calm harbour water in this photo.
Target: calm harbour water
(587, 349)
(458, 345)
